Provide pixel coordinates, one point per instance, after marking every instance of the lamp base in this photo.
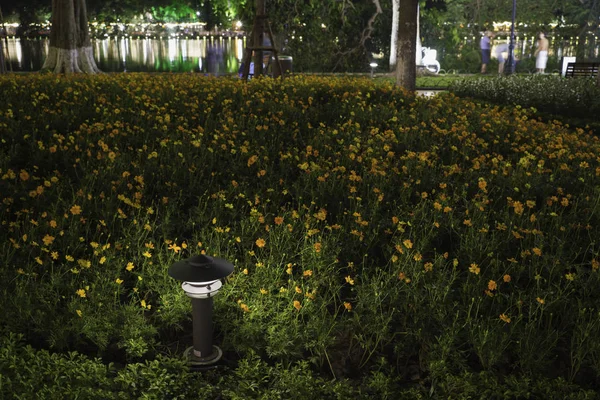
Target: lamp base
(194, 361)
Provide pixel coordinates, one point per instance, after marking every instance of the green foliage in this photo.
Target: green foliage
(27, 373)
(572, 100)
(414, 246)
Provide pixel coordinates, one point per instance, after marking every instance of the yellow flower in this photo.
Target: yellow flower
(129, 266)
(321, 215)
(506, 278)
(244, 307)
(408, 244)
(298, 290)
(48, 240)
(570, 277)
(418, 257)
(492, 285)
(263, 291)
(81, 293)
(174, 247)
(539, 300)
(482, 184)
(278, 220)
(518, 207)
(147, 254)
(347, 306)
(307, 273)
(75, 210)
(505, 318)
(595, 264)
(537, 251)
(79, 313)
(245, 271)
(467, 222)
(143, 303)
(474, 268)
(24, 175)
(119, 281)
(297, 305)
(260, 242)
(350, 280)
(252, 160)
(317, 247)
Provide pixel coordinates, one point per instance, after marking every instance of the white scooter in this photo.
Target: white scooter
(428, 60)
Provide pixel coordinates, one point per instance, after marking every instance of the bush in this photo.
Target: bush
(576, 100)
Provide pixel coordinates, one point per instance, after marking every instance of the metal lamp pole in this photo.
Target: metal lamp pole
(201, 276)
(511, 46)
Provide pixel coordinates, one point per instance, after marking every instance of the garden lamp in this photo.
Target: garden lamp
(373, 65)
(201, 276)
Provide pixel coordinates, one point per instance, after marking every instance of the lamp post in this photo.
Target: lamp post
(373, 65)
(511, 47)
(201, 276)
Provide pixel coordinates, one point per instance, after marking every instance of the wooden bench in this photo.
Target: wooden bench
(582, 70)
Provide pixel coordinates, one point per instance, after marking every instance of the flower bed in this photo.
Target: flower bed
(408, 244)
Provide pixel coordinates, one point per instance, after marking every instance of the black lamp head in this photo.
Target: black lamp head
(201, 268)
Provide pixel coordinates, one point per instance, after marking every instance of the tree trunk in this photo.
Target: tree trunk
(419, 55)
(70, 46)
(2, 66)
(259, 33)
(394, 39)
(406, 70)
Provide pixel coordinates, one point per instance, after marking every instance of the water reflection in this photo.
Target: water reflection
(215, 55)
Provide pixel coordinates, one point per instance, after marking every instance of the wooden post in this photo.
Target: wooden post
(256, 43)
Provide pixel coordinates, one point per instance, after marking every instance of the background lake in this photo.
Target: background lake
(217, 54)
(211, 54)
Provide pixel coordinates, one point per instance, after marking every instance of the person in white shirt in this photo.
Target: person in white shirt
(541, 53)
(501, 55)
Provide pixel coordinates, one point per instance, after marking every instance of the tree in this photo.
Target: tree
(394, 39)
(70, 46)
(406, 70)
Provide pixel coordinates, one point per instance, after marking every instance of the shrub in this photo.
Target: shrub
(551, 95)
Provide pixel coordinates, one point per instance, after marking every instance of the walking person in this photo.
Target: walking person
(486, 50)
(541, 53)
(501, 49)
